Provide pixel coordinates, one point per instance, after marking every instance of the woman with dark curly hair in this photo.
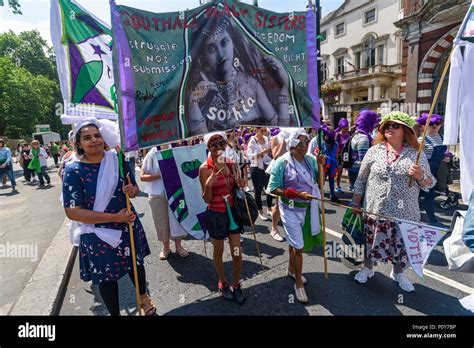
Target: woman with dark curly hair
(222, 93)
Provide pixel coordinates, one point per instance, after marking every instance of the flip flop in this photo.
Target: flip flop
(183, 253)
(163, 255)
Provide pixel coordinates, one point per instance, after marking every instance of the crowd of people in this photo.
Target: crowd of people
(284, 164)
(32, 157)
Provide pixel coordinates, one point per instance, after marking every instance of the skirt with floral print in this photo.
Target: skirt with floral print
(384, 243)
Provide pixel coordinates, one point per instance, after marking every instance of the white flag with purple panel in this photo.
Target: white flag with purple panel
(419, 241)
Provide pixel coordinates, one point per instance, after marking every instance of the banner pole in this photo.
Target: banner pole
(433, 105)
(238, 173)
(323, 216)
(130, 229)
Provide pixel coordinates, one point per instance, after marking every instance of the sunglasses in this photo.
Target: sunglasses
(218, 143)
(392, 126)
(303, 143)
(436, 124)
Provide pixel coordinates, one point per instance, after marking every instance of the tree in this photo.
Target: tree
(29, 85)
(29, 50)
(14, 5)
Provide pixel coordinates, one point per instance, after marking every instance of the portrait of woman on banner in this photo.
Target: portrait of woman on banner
(231, 83)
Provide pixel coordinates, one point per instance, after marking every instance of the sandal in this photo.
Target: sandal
(164, 255)
(148, 306)
(183, 253)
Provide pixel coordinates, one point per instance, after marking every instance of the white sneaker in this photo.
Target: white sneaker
(301, 294)
(292, 275)
(402, 281)
(363, 275)
(276, 236)
(263, 217)
(269, 213)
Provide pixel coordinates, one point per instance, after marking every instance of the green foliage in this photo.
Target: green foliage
(14, 5)
(29, 86)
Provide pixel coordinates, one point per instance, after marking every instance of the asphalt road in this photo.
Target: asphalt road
(189, 286)
(30, 218)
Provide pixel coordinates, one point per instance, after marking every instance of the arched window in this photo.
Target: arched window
(369, 49)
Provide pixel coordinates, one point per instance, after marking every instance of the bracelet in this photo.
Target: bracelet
(290, 193)
(424, 177)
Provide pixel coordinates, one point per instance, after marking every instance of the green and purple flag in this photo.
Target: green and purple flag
(212, 68)
(83, 48)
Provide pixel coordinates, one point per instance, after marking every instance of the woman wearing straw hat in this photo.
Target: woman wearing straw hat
(94, 198)
(218, 179)
(294, 178)
(383, 184)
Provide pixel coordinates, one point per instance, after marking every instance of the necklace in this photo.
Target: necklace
(395, 153)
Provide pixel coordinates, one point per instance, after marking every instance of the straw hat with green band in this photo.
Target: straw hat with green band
(398, 117)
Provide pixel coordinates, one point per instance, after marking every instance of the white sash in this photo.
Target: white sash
(314, 205)
(106, 183)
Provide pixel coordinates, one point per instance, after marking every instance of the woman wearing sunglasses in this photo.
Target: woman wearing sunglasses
(435, 152)
(218, 180)
(383, 188)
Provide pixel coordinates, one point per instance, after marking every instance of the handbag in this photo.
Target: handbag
(353, 240)
(460, 258)
(240, 207)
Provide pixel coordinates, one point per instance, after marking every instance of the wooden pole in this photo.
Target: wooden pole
(323, 216)
(433, 105)
(238, 175)
(134, 256)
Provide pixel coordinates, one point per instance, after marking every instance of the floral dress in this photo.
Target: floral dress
(384, 182)
(98, 261)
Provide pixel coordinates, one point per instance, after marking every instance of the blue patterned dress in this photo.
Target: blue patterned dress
(98, 261)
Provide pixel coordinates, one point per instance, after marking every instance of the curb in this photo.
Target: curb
(44, 292)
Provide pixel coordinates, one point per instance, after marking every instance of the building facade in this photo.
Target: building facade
(428, 28)
(361, 51)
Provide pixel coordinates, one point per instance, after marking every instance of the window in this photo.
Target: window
(340, 66)
(381, 55)
(340, 29)
(324, 36)
(370, 16)
(369, 52)
(358, 60)
(324, 71)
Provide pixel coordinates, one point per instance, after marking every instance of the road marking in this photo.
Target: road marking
(448, 281)
(426, 272)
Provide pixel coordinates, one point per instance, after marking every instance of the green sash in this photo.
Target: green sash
(35, 162)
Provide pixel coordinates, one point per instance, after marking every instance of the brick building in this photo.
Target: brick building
(428, 28)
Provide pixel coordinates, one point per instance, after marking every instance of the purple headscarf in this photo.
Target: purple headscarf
(366, 122)
(274, 132)
(327, 131)
(343, 123)
(435, 118)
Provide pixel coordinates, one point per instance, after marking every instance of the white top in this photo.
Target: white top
(42, 156)
(150, 166)
(255, 148)
(313, 145)
(459, 112)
